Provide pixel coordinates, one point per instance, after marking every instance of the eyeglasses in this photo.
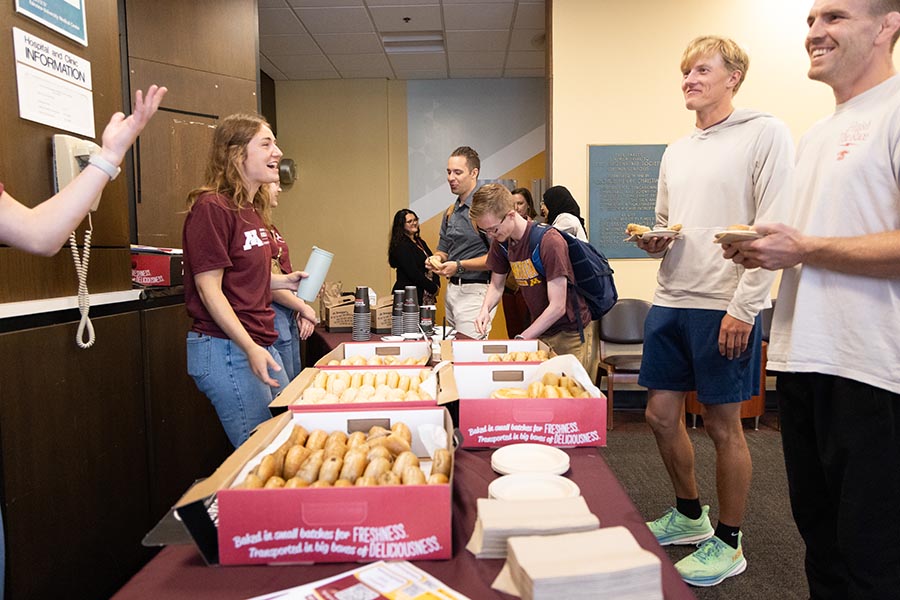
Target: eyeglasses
(412, 222)
(492, 230)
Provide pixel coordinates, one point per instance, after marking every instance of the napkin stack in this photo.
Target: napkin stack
(604, 563)
(498, 520)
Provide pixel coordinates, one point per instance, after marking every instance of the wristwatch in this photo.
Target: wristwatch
(459, 268)
(111, 170)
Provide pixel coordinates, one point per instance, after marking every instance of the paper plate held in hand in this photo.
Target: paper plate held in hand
(660, 233)
(729, 236)
(532, 486)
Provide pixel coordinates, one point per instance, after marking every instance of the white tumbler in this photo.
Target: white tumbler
(317, 268)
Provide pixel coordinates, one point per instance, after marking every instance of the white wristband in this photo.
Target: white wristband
(104, 165)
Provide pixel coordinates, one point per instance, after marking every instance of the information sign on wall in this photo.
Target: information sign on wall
(54, 85)
(622, 184)
(63, 16)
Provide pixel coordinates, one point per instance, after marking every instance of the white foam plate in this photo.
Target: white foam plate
(660, 233)
(729, 236)
(532, 486)
(392, 338)
(412, 336)
(530, 458)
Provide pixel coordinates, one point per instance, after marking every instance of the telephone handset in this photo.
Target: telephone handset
(70, 157)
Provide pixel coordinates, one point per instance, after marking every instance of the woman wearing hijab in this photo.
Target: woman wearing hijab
(562, 212)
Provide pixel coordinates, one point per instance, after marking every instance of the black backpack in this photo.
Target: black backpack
(593, 275)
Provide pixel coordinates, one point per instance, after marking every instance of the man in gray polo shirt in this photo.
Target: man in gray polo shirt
(462, 248)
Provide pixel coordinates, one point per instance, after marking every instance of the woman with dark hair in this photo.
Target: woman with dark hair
(227, 276)
(563, 212)
(407, 252)
(515, 311)
(524, 203)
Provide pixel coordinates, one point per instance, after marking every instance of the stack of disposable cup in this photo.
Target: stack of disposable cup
(410, 310)
(397, 313)
(426, 319)
(362, 317)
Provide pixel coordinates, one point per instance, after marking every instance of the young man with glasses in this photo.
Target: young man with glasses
(557, 315)
(462, 249)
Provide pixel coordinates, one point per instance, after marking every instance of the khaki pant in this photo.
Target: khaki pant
(569, 342)
(462, 303)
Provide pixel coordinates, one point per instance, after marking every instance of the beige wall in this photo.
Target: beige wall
(349, 140)
(616, 80)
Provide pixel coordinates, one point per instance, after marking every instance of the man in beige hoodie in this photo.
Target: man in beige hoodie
(701, 333)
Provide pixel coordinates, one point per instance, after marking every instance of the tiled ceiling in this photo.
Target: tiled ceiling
(401, 39)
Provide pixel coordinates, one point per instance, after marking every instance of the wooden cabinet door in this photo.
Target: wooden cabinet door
(171, 160)
(74, 456)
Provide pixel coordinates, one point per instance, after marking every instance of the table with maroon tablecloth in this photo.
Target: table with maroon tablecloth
(321, 342)
(178, 572)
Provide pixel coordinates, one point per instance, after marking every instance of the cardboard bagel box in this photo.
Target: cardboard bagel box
(481, 351)
(233, 526)
(487, 422)
(156, 267)
(382, 315)
(429, 392)
(377, 354)
(339, 313)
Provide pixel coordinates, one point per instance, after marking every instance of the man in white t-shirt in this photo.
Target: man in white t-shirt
(836, 329)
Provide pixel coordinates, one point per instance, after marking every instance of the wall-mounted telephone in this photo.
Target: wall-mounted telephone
(70, 157)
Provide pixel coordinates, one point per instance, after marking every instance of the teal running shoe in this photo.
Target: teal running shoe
(675, 528)
(712, 563)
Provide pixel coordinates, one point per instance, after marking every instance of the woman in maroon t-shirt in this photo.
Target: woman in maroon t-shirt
(227, 260)
(295, 320)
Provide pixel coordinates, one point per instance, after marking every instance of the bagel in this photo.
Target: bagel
(509, 393)
(635, 229)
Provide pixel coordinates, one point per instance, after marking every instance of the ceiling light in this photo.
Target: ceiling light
(413, 41)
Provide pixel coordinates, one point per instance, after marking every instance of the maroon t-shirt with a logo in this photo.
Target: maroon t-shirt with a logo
(280, 251)
(216, 236)
(555, 258)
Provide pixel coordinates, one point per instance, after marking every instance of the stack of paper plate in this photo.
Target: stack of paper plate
(530, 458)
(533, 486)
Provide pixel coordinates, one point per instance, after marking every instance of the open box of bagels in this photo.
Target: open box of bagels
(340, 486)
(340, 388)
(376, 355)
(480, 351)
(553, 403)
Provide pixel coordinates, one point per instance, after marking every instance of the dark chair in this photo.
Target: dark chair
(623, 324)
(765, 321)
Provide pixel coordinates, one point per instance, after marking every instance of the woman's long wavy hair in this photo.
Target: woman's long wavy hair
(398, 231)
(224, 168)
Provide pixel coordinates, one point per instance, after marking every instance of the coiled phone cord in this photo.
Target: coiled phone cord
(84, 298)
